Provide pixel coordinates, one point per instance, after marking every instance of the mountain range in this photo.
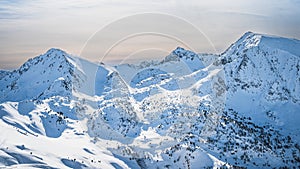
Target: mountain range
(237, 109)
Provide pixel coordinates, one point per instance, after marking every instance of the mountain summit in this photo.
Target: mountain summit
(236, 109)
(45, 72)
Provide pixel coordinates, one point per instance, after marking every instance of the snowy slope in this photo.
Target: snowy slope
(262, 81)
(41, 121)
(264, 72)
(236, 109)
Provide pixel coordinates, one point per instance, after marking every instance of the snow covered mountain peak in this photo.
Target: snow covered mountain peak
(264, 64)
(52, 58)
(51, 50)
(254, 40)
(37, 75)
(181, 54)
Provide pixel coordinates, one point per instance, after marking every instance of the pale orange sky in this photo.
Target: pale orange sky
(29, 28)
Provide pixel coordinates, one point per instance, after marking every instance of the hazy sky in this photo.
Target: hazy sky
(135, 29)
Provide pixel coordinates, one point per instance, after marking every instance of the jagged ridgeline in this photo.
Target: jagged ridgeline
(235, 109)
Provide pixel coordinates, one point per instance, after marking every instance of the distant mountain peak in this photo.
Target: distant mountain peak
(55, 50)
(181, 52)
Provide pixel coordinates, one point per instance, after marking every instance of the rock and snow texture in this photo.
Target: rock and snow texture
(237, 109)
